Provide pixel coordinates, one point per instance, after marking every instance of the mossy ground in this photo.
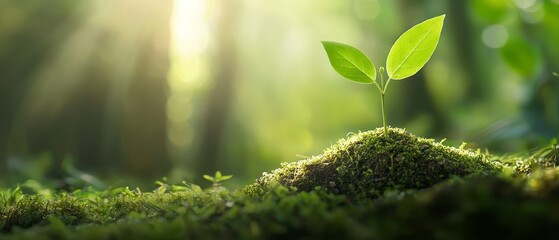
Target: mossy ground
(366, 187)
(367, 164)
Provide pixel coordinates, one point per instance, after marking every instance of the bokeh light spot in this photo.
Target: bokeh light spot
(495, 36)
(524, 4)
(533, 14)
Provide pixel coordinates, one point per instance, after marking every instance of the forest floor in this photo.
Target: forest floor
(368, 186)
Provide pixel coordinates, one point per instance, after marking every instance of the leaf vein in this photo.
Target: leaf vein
(413, 50)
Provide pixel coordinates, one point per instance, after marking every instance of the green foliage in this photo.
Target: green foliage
(555, 74)
(522, 57)
(217, 178)
(446, 207)
(492, 11)
(520, 207)
(525, 163)
(90, 206)
(350, 62)
(408, 55)
(414, 48)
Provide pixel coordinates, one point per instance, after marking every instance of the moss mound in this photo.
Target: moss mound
(367, 164)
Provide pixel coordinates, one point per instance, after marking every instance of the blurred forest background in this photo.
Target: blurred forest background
(140, 89)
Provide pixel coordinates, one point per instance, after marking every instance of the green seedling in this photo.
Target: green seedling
(407, 56)
(217, 178)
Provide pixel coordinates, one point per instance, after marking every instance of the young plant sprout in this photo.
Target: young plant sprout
(217, 178)
(407, 56)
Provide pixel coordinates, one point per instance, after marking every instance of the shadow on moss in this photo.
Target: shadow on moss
(367, 164)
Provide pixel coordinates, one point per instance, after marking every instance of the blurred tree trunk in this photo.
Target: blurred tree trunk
(25, 44)
(108, 64)
(220, 96)
(143, 123)
(462, 30)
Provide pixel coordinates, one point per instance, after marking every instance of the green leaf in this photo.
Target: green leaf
(161, 189)
(414, 48)
(555, 74)
(350, 62)
(209, 178)
(217, 175)
(226, 177)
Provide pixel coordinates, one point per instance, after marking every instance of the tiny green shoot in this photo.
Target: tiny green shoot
(217, 178)
(555, 74)
(408, 55)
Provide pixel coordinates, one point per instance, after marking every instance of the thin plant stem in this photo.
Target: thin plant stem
(386, 85)
(383, 115)
(381, 71)
(378, 86)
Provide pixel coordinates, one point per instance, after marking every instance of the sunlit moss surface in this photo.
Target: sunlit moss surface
(367, 186)
(368, 164)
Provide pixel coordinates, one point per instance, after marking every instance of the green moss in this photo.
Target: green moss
(525, 163)
(368, 164)
(363, 187)
(519, 207)
(509, 207)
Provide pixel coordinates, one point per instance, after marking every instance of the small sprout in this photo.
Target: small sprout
(162, 186)
(209, 178)
(161, 182)
(128, 192)
(217, 178)
(161, 189)
(407, 56)
(555, 74)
